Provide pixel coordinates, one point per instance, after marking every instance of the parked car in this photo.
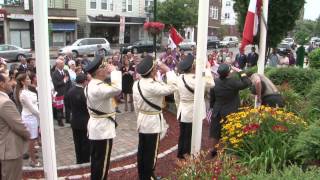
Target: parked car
(283, 48)
(213, 42)
(139, 47)
(187, 44)
(13, 53)
(86, 46)
(290, 41)
(229, 41)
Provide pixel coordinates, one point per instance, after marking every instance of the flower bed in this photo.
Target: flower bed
(261, 137)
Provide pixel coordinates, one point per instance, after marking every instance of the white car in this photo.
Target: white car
(86, 46)
(187, 44)
(289, 41)
(229, 41)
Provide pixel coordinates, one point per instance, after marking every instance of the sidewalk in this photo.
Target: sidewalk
(125, 142)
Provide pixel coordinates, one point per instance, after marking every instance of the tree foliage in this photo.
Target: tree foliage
(179, 13)
(282, 16)
(304, 30)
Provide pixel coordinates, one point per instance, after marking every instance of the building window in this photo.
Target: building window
(111, 5)
(215, 13)
(129, 2)
(66, 4)
(227, 15)
(93, 4)
(211, 12)
(228, 3)
(124, 5)
(104, 4)
(148, 5)
(51, 5)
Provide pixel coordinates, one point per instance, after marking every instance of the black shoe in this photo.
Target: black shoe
(25, 156)
(67, 122)
(213, 153)
(118, 111)
(60, 123)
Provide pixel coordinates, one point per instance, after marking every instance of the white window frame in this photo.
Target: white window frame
(127, 3)
(92, 1)
(104, 2)
(211, 12)
(110, 3)
(215, 13)
(124, 5)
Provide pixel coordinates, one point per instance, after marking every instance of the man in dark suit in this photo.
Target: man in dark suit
(241, 60)
(253, 58)
(13, 134)
(23, 66)
(77, 102)
(224, 98)
(60, 80)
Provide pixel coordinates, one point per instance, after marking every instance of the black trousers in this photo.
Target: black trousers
(59, 113)
(147, 155)
(184, 144)
(81, 145)
(100, 151)
(273, 100)
(67, 111)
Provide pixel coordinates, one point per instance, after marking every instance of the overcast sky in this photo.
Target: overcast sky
(312, 9)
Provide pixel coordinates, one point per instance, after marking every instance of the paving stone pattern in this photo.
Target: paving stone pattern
(125, 142)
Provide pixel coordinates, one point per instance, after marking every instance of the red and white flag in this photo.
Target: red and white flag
(251, 24)
(174, 38)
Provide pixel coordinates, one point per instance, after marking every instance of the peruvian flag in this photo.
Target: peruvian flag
(174, 38)
(251, 25)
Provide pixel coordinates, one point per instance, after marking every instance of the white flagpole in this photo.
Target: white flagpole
(200, 69)
(263, 36)
(40, 9)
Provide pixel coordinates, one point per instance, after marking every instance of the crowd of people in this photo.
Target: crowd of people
(86, 94)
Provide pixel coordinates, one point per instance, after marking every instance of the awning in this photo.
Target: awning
(115, 20)
(63, 26)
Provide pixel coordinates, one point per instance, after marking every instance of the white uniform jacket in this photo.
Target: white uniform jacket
(99, 97)
(150, 120)
(185, 99)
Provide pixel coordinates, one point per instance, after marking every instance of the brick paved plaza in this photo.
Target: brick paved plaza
(125, 142)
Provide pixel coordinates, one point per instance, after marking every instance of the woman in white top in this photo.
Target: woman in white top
(72, 71)
(30, 113)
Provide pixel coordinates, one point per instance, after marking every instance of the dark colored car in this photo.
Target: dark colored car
(283, 48)
(139, 47)
(13, 53)
(213, 42)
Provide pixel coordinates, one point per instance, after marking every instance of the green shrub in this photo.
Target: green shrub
(307, 146)
(293, 101)
(314, 59)
(300, 80)
(288, 173)
(247, 99)
(314, 95)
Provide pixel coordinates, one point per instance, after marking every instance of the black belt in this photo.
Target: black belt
(99, 113)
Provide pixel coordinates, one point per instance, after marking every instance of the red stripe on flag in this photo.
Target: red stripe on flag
(175, 36)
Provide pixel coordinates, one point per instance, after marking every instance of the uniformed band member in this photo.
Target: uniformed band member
(267, 93)
(185, 99)
(148, 96)
(102, 124)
